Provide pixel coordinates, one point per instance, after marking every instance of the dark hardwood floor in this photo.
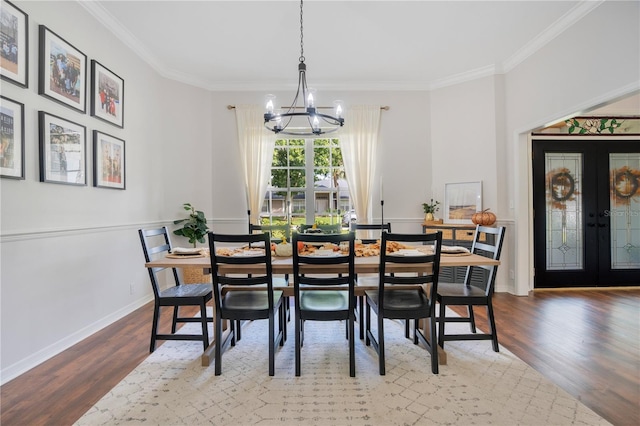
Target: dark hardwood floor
(586, 342)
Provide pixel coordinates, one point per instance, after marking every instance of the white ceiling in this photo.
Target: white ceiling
(356, 45)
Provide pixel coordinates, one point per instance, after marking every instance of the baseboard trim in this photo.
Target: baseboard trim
(18, 368)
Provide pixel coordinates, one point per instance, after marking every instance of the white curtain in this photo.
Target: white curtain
(359, 145)
(256, 145)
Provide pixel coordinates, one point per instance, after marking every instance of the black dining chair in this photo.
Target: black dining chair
(415, 302)
(368, 279)
(327, 295)
(155, 243)
(476, 289)
(260, 301)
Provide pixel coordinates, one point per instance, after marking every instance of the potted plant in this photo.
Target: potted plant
(194, 227)
(429, 209)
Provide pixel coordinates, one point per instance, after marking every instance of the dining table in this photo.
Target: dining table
(284, 266)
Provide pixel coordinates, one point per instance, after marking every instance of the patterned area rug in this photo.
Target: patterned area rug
(477, 386)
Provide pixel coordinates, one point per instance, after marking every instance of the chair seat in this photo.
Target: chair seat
(400, 300)
(187, 290)
(460, 290)
(324, 300)
(249, 300)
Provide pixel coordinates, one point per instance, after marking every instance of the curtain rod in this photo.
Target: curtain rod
(386, 108)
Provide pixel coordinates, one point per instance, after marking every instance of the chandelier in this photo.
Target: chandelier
(307, 123)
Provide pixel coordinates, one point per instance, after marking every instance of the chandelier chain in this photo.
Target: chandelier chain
(301, 59)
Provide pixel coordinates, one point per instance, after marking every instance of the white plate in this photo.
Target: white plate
(183, 250)
(249, 253)
(408, 252)
(324, 253)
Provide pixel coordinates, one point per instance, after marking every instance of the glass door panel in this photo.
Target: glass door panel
(624, 210)
(564, 230)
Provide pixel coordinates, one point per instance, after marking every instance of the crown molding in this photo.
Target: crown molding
(551, 32)
(545, 37)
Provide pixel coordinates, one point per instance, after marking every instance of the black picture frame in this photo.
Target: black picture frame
(63, 150)
(107, 95)
(63, 71)
(11, 139)
(109, 166)
(14, 33)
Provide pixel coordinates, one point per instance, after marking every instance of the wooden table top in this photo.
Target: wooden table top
(284, 265)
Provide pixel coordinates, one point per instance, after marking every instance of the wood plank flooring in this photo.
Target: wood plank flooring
(587, 342)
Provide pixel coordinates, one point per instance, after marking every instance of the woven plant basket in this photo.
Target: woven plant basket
(195, 276)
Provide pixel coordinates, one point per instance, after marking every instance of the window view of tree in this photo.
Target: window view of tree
(308, 184)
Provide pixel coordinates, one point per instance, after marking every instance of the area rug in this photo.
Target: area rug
(476, 387)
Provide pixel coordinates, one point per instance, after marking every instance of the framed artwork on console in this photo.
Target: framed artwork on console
(11, 139)
(63, 71)
(108, 161)
(107, 95)
(14, 33)
(461, 201)
(63, 150)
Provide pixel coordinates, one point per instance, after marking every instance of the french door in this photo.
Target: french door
(586, 203)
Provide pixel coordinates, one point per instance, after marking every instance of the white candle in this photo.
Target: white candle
(381, 188)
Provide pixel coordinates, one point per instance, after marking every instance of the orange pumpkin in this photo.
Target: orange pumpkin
(484, 218)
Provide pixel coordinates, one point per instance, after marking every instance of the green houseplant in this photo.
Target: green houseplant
(194, 227)
(429, 209)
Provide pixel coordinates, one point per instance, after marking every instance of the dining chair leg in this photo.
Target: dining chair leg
(298, 342)
(361, 304)
(406, 328)
(433, 347)
(238, 328)
(381, 359)
(205, 328)
(441, 322)
(283, 323)
(492, 327)
(272, 338)
(174, 321)
(352, 346)
(218, 349)
(154, 327)
(367, 340)
(232, 328)
(472, 318)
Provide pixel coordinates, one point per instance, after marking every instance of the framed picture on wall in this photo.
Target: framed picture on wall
(461, 201)
(107, 95)
(14, 33)
(11, 139)
(63, 71)
(108, 161)
(63, 150)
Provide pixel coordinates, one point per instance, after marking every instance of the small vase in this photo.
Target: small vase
(428, 217)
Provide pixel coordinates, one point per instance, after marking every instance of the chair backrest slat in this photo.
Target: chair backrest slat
(344, 262)
(148, 237)
(429, 247)
(488, 246)
(229, 249)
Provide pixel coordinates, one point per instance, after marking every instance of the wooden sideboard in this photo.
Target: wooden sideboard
(453, 235)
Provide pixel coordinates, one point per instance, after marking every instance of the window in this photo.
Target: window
(307, 182)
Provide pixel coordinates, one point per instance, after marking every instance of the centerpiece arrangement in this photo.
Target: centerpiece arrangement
(429, 209)
(195, 229)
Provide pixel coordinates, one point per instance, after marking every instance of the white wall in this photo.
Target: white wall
(70, 254)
